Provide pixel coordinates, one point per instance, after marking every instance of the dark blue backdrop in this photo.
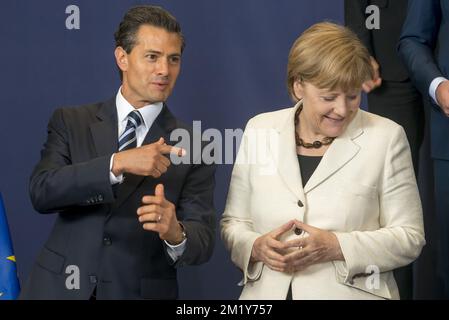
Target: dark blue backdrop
(233, 68)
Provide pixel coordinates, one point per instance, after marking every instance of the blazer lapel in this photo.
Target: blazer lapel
(340, 152)
(104, 132)
(162, 126)
(285, 153)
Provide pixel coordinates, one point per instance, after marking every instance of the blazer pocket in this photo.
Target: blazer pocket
(363, 283)
(357, 189)
(379, 287)
(159, 289)
(51, 261)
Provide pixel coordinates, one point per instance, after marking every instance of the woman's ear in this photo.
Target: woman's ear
(298, 89)
(121, 57)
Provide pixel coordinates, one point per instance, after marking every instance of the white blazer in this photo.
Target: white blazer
(364, 190)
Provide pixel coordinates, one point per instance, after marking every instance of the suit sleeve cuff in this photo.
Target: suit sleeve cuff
(251, 270)
(254, 271)
(352, 265)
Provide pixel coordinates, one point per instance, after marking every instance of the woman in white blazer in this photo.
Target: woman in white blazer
(323, 201)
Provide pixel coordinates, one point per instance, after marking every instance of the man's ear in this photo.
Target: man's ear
(298, 89)
(121, 58)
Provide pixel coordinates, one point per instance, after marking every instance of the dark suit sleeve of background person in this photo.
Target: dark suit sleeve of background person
(418, 42)
(355, 19)
(57, 183)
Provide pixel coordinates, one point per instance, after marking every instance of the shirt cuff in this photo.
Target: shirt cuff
(433, 87)
(175, 252)
(112, 178)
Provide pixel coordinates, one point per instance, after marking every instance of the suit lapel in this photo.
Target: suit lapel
(104, 132)
(340, 152)
(162, 126)
(286, 155)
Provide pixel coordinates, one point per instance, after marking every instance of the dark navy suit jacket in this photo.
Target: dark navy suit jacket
(424, 48)
(97, 229)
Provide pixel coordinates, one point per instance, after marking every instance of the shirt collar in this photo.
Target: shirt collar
(149, 112)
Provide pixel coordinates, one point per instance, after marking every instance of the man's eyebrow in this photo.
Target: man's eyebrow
(153, 51)
(160, 53)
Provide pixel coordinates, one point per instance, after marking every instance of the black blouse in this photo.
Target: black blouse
(308, 165)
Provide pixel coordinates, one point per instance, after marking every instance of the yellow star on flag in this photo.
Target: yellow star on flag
(11, 258)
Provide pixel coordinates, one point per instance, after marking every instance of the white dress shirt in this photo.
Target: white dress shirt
(433, 87)
(149, 114)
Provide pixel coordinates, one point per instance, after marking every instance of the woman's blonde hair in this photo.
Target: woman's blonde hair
(329, 56)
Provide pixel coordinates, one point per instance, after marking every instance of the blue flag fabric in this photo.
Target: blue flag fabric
(9, 283)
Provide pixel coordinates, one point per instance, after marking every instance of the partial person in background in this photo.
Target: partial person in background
(391, 93)
(340, 204)
(424, 48)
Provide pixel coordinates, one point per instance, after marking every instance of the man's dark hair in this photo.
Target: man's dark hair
(125, 36)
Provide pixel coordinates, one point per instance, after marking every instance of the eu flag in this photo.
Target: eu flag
(9, 283)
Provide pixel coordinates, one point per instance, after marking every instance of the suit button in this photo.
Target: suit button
(93, 279)
(298, 231)
(300, 204)
(107, 241)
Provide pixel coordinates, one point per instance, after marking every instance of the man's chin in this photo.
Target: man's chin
(158, 98)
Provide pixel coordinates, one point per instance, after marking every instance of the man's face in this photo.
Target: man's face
(151, 68)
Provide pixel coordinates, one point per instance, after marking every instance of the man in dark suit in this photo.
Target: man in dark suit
(127, 218)
(391, 94)
(424, 47)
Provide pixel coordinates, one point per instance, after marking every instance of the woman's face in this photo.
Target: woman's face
(327, 113)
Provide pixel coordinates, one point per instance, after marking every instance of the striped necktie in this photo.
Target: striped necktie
(128, 138)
